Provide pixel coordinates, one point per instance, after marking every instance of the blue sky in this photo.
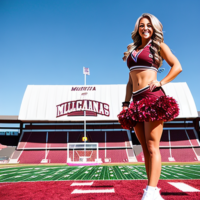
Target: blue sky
(45, 42)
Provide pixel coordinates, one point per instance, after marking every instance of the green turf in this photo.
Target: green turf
(117, 172)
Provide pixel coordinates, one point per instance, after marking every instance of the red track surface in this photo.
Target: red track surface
(123, 190)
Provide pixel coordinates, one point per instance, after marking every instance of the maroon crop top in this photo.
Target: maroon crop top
(141, 60)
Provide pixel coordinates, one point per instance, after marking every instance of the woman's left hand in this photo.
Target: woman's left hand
(154, 84)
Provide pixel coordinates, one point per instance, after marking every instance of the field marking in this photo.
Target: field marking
(184, 187)
(77, 191)
(185, 172)
(82, 184)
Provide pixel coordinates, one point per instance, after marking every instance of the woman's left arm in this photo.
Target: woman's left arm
(176, 68)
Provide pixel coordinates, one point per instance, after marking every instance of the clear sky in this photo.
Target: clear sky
(47, 42)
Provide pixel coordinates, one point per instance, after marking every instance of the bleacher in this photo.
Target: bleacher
(177, 145)
(36, 146)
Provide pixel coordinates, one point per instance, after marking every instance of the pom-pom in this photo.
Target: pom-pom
(125, 119)
(149, 109)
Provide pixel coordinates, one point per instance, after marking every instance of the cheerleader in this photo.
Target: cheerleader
(150, 107)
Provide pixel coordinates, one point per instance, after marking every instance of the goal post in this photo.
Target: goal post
(83, 153)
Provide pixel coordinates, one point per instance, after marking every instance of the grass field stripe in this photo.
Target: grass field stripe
(7, 170)
(178, 169)
(77, 191)
(144, 171)
(117, 170)
(174, 172)
(134, 174)
(66, 172)
(174, 169)
(184, 187)
(104, 170)
(189, 169)
(90, 173)
(130, 172)
(76, 172)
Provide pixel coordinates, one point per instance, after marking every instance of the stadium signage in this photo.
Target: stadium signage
(76, 108)
(83, 88)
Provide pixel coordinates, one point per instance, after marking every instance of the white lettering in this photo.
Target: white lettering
(78, 107)
(85, 105)
(101, 111)
(95, 106)
(69, 107)
(90, 105)
(65, 109)
(106, 110)
(73, 106)
(60, 109)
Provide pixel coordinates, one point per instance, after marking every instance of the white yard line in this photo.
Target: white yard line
(183, 187)
(82, 184)
(77, 191)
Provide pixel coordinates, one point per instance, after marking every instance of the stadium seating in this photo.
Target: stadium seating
(116, 138)
(33, 140)
(164, 139)
(177, 145)
(57, 156)
(32, 157)
(192, 137)
(113, 155)
(57, 140)
(165, 155)
(180, 145)
(179, 138)
(184, 155)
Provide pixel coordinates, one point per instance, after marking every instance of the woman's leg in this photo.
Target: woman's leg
(139, 132)
(153, 133)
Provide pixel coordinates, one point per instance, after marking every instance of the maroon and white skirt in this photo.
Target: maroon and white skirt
(148, 106)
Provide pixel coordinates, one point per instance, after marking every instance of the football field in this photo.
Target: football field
(63, 173)
(96, 182)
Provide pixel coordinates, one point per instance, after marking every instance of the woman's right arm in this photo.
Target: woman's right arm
(129, 89)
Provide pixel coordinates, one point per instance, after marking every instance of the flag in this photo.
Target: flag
(86, 71)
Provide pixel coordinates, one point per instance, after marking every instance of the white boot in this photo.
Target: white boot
(157, 195)
(149, 193)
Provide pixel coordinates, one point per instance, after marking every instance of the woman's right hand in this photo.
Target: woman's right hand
(125, 107)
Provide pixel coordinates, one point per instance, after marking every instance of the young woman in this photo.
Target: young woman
(150, 106)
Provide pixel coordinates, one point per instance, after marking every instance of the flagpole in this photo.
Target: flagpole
(85, 122)
(85, 116)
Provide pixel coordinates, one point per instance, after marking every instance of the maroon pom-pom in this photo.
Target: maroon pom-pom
(149, 109)
(125, 119)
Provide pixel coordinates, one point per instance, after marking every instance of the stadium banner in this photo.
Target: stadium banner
(101, 102)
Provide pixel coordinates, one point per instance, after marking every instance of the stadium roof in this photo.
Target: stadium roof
(101, 102)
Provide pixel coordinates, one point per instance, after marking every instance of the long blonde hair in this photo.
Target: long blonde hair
(157, 38)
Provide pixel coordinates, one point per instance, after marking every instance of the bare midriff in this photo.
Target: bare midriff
(141, 78)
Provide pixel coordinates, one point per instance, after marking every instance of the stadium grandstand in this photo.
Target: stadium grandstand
(78, 125)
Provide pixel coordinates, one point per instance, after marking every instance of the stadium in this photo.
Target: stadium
(67, 138)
